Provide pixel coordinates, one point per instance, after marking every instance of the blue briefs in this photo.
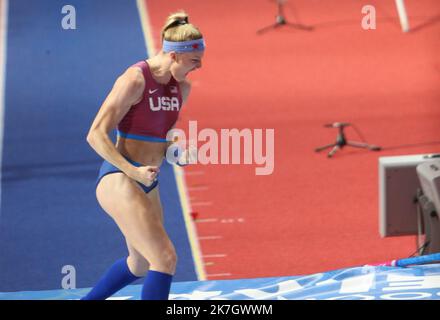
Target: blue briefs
(107, 168)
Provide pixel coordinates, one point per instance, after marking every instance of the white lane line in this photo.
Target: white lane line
(219, 275)
(210, 237)
(216, 255)
(403, 17)
(201, 204)
(222, 220)
(206, 220)
(232, 220)
(194, 173)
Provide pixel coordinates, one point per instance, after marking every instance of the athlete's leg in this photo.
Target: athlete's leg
(137, 264)
(156, 285)
(139, 216)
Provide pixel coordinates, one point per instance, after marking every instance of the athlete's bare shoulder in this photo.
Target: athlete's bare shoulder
(134, 75)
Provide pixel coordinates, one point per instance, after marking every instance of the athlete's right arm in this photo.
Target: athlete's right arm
(127, 91)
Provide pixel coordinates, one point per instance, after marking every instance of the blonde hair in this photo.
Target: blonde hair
(178, 28)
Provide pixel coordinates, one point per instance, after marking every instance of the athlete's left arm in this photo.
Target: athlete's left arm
(185, 89)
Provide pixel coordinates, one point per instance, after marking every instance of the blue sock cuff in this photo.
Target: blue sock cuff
(160, 275)
(115, 278)
(124, 265)
(156, 286)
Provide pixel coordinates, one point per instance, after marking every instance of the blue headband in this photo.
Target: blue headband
(184, 46)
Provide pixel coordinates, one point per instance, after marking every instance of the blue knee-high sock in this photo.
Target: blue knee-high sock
(116, 277)
(156, 286)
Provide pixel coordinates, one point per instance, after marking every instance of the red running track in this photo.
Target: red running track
(312, 214)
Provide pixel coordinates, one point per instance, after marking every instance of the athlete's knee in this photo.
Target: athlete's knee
(138, 266)
(170, 257)
(166, 260)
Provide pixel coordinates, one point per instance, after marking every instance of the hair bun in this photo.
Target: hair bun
(183, 21)
(172, 32)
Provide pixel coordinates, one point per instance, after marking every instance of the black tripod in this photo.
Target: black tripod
(341, 141)
(281, 21)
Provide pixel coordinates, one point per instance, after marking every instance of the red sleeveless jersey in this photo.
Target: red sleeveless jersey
(156, 113)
